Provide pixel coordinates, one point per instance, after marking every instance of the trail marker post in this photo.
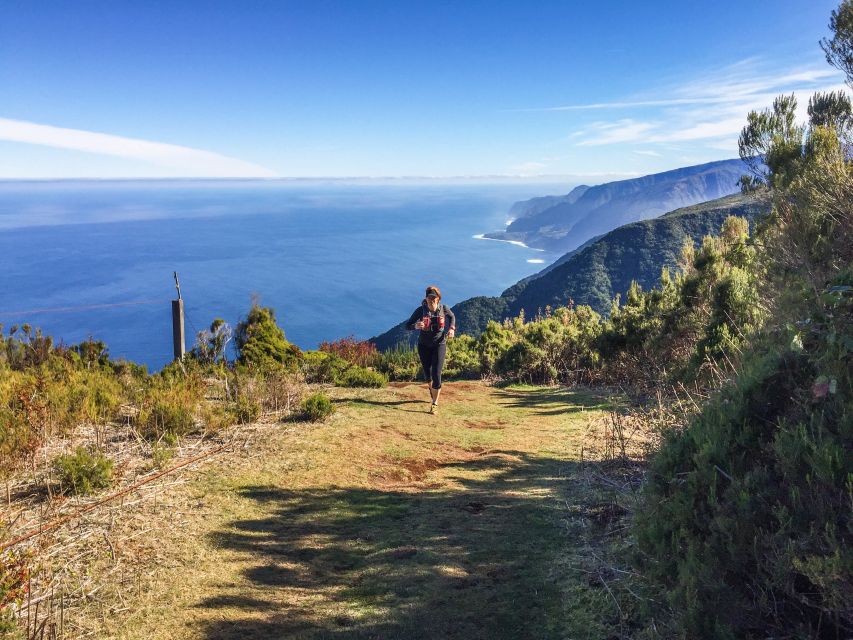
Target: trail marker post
(178, 323)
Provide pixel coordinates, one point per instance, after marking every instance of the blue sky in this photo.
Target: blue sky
(587, 90)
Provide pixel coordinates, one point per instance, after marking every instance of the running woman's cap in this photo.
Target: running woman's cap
(433, 292)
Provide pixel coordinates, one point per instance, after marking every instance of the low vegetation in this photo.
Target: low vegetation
(83, 471)
(742, 356)
(50, 391)
(317, 407)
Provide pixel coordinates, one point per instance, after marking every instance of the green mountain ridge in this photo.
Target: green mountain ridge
(603, 267)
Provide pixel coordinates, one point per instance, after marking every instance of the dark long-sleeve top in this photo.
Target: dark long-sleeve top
(432, 337)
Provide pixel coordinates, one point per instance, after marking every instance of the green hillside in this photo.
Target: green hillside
(594, 274)
(635, 251)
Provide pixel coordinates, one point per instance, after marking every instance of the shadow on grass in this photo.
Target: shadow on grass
(483, 561)
(552, 401)
(388, 404)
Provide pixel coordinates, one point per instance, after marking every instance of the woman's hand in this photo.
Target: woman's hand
(451, 332)
(419, 324)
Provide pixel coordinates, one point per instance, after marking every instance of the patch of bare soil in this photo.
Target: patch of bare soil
(419, 468)
(485, 424)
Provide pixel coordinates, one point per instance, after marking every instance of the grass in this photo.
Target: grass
(386, 522)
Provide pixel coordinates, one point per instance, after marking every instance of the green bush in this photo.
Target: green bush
(215, 417)
(559, 347)
(83, 472)
(323, 368)
(9, 629)
(18, 438)
(161, 455)
(496, 340)
(359, 377)
(463, 358)
(317, 407)
(400, 363)
(327, 368)
(166, 416)
(261, 342)
(747, 524)
(246, 410)
(747, 520)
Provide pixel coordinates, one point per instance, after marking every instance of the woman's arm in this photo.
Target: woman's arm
(450, 319)
(416, 315)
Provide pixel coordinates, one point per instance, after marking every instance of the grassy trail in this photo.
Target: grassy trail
(387, 522)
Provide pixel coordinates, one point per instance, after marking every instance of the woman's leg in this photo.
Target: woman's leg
(437, 364)
(426, 356)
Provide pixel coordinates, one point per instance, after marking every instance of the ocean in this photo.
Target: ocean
(82, 259)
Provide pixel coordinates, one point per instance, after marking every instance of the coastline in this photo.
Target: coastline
(518, 243)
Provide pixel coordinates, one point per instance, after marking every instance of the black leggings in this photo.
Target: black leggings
(432, 359)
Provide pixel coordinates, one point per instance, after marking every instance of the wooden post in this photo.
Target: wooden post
(178, 342)
(178, 328)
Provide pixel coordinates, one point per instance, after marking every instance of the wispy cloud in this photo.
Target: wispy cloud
(625, 130)
(734, 84)
(191, 162)
(711, 108)
(647, 152)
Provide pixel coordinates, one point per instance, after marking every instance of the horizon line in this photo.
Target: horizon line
(481, 177)
(316, 178)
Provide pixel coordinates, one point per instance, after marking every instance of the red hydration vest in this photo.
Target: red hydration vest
(433, 320)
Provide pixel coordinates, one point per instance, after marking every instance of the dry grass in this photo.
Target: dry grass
(384, 522)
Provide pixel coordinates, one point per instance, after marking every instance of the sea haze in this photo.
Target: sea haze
(333, 259)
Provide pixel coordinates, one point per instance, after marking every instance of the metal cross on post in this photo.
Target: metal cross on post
(178, 323)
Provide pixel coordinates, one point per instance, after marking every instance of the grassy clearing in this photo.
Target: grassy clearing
(386, 522)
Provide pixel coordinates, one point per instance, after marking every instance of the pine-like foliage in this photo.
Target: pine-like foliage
(748, 521)
(261, 342)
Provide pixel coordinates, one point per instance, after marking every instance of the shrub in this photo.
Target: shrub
(317, 407)
(559, 347)
(496, 340)
(92, 353)
(25, 347)
(327, 368)
(83, 472)
(281, 391)
(211, 343)
(746, 520)
(166, 416)
(323, 368)
(92, 396)
(171, 402)
(360, 377)
(246, 410)
(358, 352)
(161, 455)
(214, 416)
(24, 420)
(400, 363)
(261, 342)
(463, 358)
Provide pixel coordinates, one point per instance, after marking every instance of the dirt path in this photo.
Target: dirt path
(385, 522)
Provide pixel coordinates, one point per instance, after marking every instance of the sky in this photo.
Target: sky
(367, 88)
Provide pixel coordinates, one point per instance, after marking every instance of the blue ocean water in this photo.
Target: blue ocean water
(82, 259)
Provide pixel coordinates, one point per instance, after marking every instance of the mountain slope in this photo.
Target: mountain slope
(563, 223)
(594, 274)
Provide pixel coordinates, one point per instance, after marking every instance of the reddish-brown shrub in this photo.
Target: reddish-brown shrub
(358, 352)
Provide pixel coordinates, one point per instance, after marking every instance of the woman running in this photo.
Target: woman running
(436, 324)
